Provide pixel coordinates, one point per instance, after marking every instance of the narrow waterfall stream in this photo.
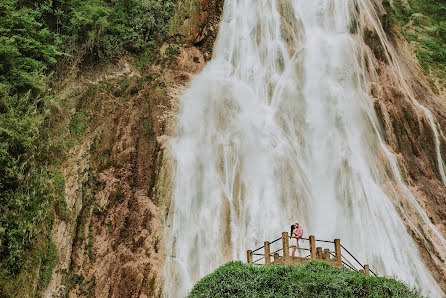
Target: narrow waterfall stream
(279, 128)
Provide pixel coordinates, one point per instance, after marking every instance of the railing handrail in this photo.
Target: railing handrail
(349, 263)
(276, 240)
(326, 241)
(338, 248)
(258, 249)
(357, 260)
(258, 260)
(351, 268)
(372, 272)
(300, 238)
(272, 254)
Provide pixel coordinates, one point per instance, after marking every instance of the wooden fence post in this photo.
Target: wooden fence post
(276, 257)
(285, 245)
(327, 254)
(319, 253)
(267, 253)
(338, 253)
(313, 247)
(366, 270)
(249, 256)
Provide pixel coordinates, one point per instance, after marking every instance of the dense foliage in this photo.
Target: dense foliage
(314, 279)
(35, 37)
(423, 24)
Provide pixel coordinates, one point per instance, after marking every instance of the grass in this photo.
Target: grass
(314, 279)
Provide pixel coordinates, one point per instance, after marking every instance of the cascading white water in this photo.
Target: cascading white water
(279, 128)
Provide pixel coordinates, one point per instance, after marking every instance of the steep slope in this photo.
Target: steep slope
(118, 174)
(124, 170)
(87, 181)
(400, 90)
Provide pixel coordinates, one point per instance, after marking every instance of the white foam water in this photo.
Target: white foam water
(279, 128)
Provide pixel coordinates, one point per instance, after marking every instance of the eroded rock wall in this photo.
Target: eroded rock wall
(118, 175)
(400, 90)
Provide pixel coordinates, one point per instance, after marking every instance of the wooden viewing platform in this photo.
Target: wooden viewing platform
(282, 255)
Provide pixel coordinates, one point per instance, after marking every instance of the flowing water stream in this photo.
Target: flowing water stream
(279, 128)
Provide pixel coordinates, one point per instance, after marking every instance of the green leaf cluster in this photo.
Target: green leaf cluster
(25, 188)
(35, 35)
(314, 279)
(107, 29)
(28, 48)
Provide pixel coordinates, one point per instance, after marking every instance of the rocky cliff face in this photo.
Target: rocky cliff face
(118, 176)
(110, 236)
(400, 89)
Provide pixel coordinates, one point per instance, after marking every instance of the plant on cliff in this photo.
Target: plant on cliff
(423, 24)
(314, 279)
(108, 28)
(38, 39)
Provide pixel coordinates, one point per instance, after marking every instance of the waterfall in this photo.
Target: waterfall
(279, 128)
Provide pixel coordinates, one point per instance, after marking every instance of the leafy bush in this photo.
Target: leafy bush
(107, 29)
(314, 279)
(28, 47)
(25, 191)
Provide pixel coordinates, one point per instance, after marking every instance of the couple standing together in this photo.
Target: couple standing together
(296, 234)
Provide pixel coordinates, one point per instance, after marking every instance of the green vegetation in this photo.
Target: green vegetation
(423, 24)
(49, 259)
(84, 287)
(39, 41)
(314, 279)
(89, 245)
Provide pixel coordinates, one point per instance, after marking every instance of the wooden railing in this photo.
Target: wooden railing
(339, 257)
